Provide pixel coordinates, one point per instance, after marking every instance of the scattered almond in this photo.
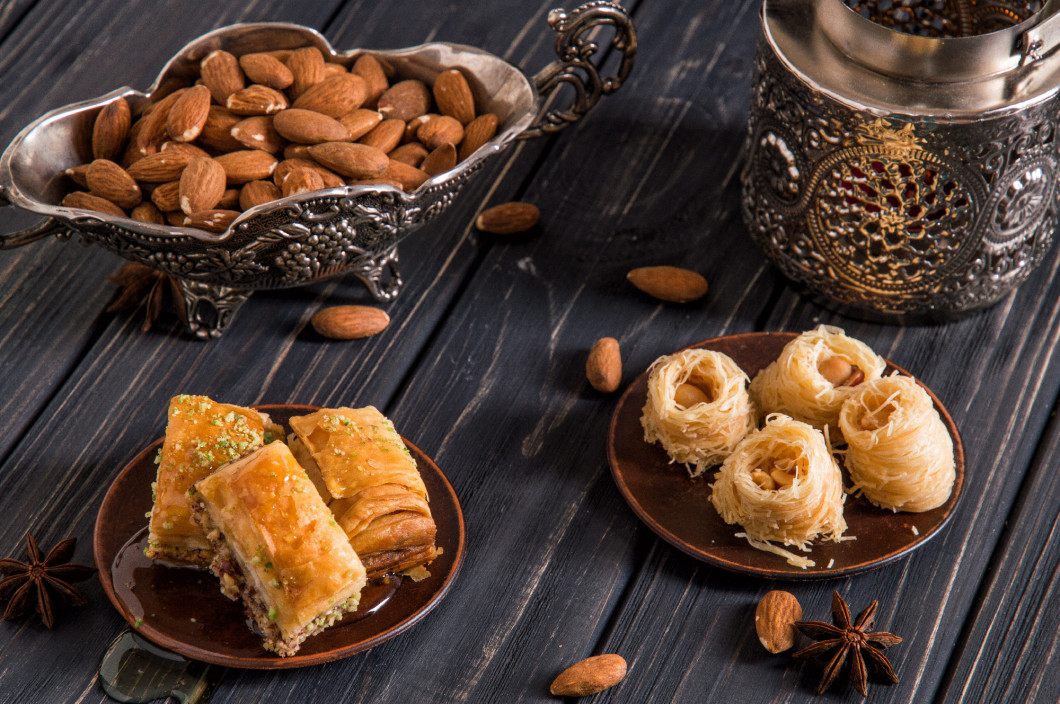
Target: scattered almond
(589, 676)
(603, 368)
(350, 322)
(508, 218)
(111, 129)
(775, 619)
(669, 283)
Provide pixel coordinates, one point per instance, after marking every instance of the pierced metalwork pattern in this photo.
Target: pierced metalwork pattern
(945, 18)
(898, 216)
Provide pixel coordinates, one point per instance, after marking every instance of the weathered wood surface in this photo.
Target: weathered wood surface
(483, 367)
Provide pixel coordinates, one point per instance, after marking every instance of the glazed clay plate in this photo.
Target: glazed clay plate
(183, 610)
(677, 507)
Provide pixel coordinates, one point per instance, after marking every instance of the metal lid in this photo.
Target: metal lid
(873, 67)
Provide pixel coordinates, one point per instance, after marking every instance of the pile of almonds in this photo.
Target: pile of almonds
(274, 124)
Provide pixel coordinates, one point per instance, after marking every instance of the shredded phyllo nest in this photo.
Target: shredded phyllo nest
(704, 433)
(794, 385)
(899, 453)
(782, 485)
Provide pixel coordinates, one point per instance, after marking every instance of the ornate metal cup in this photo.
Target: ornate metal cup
(903, 156)
(301, 239)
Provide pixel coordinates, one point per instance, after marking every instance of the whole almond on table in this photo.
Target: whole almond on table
(108, 180)
(267, 70)
(188, 114)
(258, 132)
(351, 160)
(405, 100)
(775, 619)
(669, 283)
(508, 218)
(202, 185)
(334, 96)
(603, 367)
(111, 129)
(220, 72)
(350, 322)
(453, 96)
(368, 67)
(589, 676)
(309, 127)
(480, 130)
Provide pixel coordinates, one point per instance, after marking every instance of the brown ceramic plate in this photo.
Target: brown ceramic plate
(182, 609)
(677, 507)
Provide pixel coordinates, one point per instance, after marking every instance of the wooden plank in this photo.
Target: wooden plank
(11, 13)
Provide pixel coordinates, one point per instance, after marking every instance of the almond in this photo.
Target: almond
(152, 132)
(412, 154)
(201, 185)
(255, 193)
(111, 129)
(307, 69)
(351, 160)
(211, 220)
(188, 114)
(350, 322)
(360, 122)
(189, 150)
(230, 199)
(439, 161)
(386, 135)
(453, 96)
(248, 165)
(217, 131)
(301, 180)
(175, 218)
(163, 166)
(775, 619)
(78, 174)
(368, 67)
(481, 130)
(221, 75)
(603, 368)
(258, 132)
(257, 99)
(297, 151)
(669, 283)
(508, 218)
(267, 70)
(108, 180)
(412, 127)
(332, 69)
(334, 96)
(285, 167)
(441, 130)
(408, 178)
(87, 201)
(589, 676)
(309, 127)
(148, 212)
(405, 100)
(167, 197)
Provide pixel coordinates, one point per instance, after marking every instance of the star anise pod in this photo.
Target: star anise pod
(43, 577)
(849, 638)
(140, 282)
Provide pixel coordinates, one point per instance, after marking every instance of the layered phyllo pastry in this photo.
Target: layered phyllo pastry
(364, 471)
(201, 435)
(277, 547)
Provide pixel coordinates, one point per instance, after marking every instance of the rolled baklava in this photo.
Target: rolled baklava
(277, 546)
(201, 435)
(370, 481)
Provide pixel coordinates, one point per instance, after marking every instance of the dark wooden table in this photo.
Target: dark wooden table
(483, 368)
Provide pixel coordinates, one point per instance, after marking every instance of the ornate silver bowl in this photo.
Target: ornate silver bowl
(305, 238)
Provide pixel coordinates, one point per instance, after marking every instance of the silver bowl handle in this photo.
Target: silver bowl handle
(47, 226)
(575, 48)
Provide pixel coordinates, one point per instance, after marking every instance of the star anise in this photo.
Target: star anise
(852, 638)
(140, 282)
(43, 577)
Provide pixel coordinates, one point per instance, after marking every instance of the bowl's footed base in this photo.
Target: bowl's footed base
(210, 307)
